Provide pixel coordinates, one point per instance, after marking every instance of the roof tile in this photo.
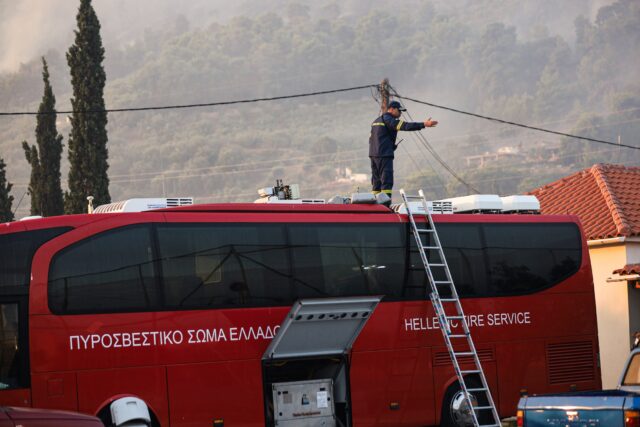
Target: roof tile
(606, 197)
(628, 269)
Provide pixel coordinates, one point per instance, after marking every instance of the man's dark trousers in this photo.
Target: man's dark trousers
(382, 175)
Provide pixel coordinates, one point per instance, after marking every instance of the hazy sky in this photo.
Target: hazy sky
(29, 28)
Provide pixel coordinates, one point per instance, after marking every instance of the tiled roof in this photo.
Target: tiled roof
(606, 198)
(628, 269)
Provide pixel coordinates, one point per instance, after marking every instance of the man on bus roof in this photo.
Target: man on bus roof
(382, 144)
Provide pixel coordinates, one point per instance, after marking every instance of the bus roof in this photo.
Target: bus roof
(79, 220)
(281, 207)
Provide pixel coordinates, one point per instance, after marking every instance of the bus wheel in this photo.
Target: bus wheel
(455, 410)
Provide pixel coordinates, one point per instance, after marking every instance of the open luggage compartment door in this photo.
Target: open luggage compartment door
(306, 366)
(320, 327)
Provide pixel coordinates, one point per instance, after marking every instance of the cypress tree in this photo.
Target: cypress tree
(44, 187)
(35, 183)
(88, 140)
(5, 199)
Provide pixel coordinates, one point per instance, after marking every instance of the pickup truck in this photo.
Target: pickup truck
(606, 408)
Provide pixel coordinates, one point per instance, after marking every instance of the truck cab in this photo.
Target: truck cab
(606, 408)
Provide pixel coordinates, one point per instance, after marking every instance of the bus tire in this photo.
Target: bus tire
(455, 411)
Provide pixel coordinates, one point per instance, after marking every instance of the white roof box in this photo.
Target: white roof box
(276, 200)
(520, 204)
(139, 205)
(435, 207)
(477, 203)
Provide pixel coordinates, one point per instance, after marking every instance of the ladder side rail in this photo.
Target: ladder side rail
(454, 292)
(445, 326)
(439, 309)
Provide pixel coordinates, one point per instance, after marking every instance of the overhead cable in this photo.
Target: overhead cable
(507, 122)
(182, 106)
(436, 156)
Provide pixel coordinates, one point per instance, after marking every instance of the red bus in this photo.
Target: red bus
(176, 306)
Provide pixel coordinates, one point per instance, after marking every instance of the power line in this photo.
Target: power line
(182, 106)
(455, 110)
(436, 156)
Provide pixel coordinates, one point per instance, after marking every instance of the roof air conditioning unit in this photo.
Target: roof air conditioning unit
(139, 205)
(477, 203)
(520, 204)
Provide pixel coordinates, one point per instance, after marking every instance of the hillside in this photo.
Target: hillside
(582, 80)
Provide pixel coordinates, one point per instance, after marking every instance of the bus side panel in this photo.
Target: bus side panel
(230, 390)
(382, 378)
(57, 390)
(148, 383)
(16, 397)
(521, 366)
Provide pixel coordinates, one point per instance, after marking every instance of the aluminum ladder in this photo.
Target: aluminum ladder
(456, 335)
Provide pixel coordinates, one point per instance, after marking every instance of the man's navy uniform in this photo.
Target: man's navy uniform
(382, 144)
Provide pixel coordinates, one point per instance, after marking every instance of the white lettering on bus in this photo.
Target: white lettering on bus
(170, 338)
(473, 321)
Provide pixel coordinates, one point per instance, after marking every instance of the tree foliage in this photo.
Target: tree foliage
(6, 199)
(88, 155)
(44, 185)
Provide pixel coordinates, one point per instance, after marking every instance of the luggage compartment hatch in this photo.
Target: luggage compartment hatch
(319, 327)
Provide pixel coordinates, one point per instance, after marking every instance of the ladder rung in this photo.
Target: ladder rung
(423, 247)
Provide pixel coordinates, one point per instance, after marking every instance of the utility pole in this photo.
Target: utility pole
(619, 148)
(384, 95)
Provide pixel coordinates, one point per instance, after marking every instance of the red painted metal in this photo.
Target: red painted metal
(188, 382)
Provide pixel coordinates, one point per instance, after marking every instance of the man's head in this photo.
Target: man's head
(395, 109)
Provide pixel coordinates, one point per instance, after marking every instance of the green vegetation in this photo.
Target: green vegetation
(88, 152)
(6, 200)
(44, 185)
(581, 80)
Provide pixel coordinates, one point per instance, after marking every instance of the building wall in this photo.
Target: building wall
(612, 308)
(633, 257)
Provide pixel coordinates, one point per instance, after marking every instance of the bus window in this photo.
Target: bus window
(224, 265)
(347, 259)
(16, 252)
(109, 272)
(9, 358)
(499, 259)
(525, 258)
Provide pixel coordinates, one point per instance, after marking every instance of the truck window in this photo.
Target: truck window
(632, 376)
